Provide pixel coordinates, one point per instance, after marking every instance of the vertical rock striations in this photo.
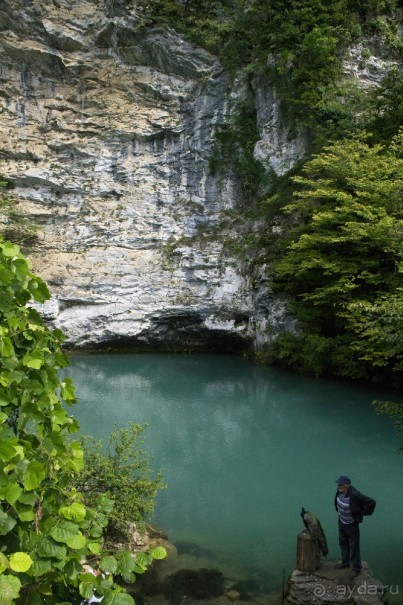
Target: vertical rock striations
(107, 129)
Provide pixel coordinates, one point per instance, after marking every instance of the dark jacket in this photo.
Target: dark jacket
(357, 502)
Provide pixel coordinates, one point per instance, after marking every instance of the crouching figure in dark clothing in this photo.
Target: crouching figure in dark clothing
(351, 505)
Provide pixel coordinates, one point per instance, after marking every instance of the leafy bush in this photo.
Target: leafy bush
(122, 473)
(303, 353)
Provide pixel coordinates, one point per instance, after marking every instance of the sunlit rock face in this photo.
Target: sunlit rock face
(280, 145)
(107, 130)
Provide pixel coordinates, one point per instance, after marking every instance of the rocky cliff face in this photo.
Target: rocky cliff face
(107, 132)
(107, 129)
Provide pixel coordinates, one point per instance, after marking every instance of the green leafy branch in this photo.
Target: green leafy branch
(47, 528)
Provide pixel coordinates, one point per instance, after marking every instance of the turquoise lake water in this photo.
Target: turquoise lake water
(242, 448)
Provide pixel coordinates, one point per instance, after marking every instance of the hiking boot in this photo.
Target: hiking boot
(354, 573)
(341, 566)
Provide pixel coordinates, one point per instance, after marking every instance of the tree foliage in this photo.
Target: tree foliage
(395, 411)
(343, 266)
(46, 527)
(122, 472)
(386, 106)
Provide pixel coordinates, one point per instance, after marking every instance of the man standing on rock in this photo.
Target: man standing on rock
(350, 505)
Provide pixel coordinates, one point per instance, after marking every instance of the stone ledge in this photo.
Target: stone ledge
(330, 586)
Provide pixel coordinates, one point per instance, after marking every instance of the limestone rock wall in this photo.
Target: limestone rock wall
(106, 134)
(106, 131)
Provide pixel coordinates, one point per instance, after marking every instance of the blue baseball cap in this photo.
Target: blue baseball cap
(343, 480)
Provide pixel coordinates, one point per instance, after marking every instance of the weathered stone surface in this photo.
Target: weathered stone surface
(330, 586)
(107, 131)
(366, 64)
(279, 147)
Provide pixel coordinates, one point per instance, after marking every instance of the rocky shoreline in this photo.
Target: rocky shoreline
(186, 577)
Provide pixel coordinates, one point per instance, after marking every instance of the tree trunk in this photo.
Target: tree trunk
(308, 556)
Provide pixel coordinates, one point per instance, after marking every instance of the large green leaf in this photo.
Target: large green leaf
(9, 589)
(158, 553)
(20, 561)
(26, 513)
(108, 564)
(143, 560)
(6, 347)
(75, 512)
(21, 268)
(10, 250)
(94, 547)
(49, 548)
(86, 588)
(6, 523)
(77, 456)
(6, 276)
(4, 397)
(97, 529)
(40, 567)
(6, 302)
(58, 418)
(34, 475)
(39, 290)
(118, 598)
(129, 578)
(4, 563)
(13, 492)
(73, 570)
(77, 542)
(7, 451)
(64, 531)
(126, 563)
(29, 499)
(67, 390)
(33, 360)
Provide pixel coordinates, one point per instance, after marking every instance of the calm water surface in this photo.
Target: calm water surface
(243, 448)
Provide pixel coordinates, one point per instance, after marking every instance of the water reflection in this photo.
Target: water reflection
(243, 447)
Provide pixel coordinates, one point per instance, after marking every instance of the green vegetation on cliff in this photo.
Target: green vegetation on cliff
(343, 263)
(13, 226)
(299, 44)
(337, 256)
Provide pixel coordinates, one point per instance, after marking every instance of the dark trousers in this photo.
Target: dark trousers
(349, 540)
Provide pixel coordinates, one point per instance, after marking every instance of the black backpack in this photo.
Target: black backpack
(367, 508)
